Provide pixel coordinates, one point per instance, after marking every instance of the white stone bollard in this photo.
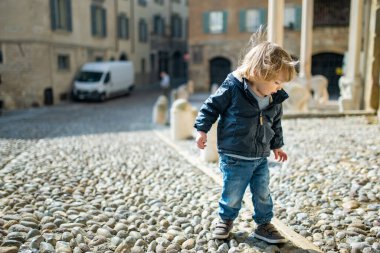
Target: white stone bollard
(214, 87)
(181, 120)
(210, 152)
(299, 97)
(190, 87)
(182, 92)
(160, 110)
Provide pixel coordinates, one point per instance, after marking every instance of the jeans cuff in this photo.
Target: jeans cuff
(260, 221)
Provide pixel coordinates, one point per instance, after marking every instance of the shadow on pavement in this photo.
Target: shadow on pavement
(122, 114)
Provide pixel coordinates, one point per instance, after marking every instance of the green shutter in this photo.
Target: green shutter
(104, 22)
(119, 32)
(93, 20)
(225, 21)
(206, 22)
(179, 27)
(242, 20)
(53, 14)
(263, 16)
(69, 15)
(297, 25)
(126, 20)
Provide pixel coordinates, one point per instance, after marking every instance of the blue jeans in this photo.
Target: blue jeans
(237, 175)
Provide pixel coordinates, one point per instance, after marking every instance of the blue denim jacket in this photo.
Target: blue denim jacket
(243, 129)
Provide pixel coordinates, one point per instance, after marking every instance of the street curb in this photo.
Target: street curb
(292, 236)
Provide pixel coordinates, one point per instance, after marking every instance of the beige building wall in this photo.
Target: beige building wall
(30, 47)
(231, 43)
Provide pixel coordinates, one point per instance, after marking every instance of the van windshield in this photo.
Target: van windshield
(89, 76)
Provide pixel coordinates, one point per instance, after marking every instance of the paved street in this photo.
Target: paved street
(89, 177)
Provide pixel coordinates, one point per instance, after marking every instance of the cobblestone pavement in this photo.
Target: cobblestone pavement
(90, 177)
(329, 190)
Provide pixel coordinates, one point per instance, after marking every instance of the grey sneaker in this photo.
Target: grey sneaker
(268, 233)
(222, 229)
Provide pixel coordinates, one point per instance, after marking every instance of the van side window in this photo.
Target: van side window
(108, 77)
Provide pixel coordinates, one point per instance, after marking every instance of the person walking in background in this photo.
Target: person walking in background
(165, 84)
(249, 107)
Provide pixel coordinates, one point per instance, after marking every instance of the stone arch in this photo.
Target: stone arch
(219, 68)
(123, 57)
(330, 65)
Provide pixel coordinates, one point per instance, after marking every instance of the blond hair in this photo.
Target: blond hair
(264, 60)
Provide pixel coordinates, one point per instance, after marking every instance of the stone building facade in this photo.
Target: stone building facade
(209, 49)
(43, 43)
(344, 42)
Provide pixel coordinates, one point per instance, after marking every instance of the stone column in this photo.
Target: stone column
(306, 41)
(350, 84)
(276, 21)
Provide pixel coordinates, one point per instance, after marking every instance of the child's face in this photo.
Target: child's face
(266, 88)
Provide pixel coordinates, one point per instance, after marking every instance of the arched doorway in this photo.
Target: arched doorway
(123, 57)
(329, 65)
(219, 69)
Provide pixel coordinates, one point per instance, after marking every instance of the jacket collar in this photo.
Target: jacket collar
(277, 98)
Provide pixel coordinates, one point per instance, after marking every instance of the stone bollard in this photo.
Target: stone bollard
(190, 87)
(214, 87)
(210, 152)
(160, 110)
(299, 97)
(182, 92)
(181, 120)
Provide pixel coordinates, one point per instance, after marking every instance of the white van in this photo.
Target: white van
(102, 80)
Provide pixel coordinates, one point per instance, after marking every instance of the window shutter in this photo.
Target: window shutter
(93, 20)
(263, 16)
(242, 21)
(297, 25)
(163, 27)
(206, 22)
(104, 22)
(224, 21)
(69, 16)
(53, 14)
(126, 20)
(179, 27)
(119, 31)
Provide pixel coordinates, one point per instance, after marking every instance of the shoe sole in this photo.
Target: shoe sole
(216, 236)
(269, 240)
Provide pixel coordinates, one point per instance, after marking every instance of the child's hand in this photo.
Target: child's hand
(280, 155)
(201, 139)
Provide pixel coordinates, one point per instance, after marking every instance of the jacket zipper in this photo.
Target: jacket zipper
(261, 118)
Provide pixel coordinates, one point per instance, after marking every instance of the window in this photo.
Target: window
(63, 62)
(107, 78)
(159, 25)
(292, 17)
(142, 2)
(98, 58)
(215, 22)
(250, 20)
(1, 56)
(176, 26)
(60, 12)
(161, 2)
(143, 31)
(123, 26)
(98, 21)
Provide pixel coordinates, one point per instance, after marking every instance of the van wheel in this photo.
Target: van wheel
(102, 97)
